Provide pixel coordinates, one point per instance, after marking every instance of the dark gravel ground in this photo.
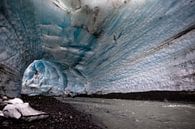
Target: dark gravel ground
(62, 116)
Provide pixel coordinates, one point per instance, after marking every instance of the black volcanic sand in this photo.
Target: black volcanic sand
(184, 96)
(62, 116)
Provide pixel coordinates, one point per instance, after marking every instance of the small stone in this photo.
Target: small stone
(5, 98)
(31, 127)
(5, 123)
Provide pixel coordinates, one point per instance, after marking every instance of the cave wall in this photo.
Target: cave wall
(146, 45)
(100, 46)
(19, 44)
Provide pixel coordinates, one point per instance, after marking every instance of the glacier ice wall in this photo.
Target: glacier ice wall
(146, 45)
(99, 46)
(19, 43)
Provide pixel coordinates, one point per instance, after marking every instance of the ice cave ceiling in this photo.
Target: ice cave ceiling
(96, 46)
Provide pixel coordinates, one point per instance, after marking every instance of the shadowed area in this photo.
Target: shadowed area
(61, 115)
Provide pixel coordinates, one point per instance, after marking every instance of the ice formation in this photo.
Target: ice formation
(17, 109)
(43, 77)
(97, 46)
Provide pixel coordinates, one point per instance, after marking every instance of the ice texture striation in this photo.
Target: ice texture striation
(19, 43)
(97, 46)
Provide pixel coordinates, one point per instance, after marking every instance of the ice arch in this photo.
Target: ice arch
(102, 46)
(43, 77)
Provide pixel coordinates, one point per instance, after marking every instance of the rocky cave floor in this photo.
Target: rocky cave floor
(62, 116)
(150, 110)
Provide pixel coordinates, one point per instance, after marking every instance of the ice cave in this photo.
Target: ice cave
(96, 46)
(87, 47)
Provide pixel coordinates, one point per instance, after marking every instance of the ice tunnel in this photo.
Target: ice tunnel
(96, 46)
